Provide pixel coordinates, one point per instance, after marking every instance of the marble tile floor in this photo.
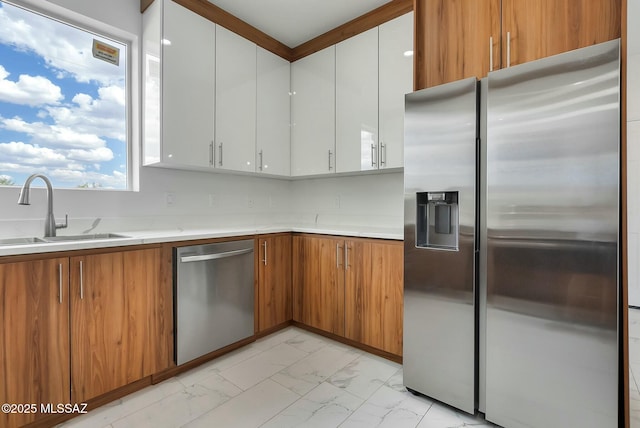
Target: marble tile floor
(291, 378)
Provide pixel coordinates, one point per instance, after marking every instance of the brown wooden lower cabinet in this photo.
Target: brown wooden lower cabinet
(350, 287)
(274, 281)
(73, 328)
(374, 294)
(116, 325)
(318, 275)
(34, 336)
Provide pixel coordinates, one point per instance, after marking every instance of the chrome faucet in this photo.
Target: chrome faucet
(50, 224)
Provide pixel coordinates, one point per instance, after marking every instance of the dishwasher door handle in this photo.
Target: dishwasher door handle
(203, 257)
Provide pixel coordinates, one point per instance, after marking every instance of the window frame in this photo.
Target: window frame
(132, 75)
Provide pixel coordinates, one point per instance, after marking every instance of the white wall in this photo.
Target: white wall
(201, 199)
(365, 200)
(633, 149)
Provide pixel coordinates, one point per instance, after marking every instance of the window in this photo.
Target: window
(63, 103)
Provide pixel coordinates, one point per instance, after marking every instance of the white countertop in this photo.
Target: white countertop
(161, 236)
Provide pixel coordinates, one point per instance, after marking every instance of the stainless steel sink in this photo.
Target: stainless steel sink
(50, 239)
(83, 237)
(21, 241)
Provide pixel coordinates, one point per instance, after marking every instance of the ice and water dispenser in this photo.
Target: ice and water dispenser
(437, 220)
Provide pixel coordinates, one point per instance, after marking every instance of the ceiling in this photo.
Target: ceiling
(294, 22)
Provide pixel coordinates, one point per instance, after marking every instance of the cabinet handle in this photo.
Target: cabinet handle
(383, 153)
(337, 255)
(260, 153)
(346, 257)
(508, 49)
(60, 282)
(211, 153)
(264, 244)
(330, 167)
(491, 53)
(220, 161)
(373, 164)
(81, 281)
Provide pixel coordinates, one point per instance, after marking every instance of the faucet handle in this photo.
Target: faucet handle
(65, 224)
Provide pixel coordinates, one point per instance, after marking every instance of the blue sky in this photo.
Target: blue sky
(62, 112)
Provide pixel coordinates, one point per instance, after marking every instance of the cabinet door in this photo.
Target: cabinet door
(319, 282)
(385, 322)
(358, 292)
(34, 336)
(357, 103)
(455, 40)
(533, 29)
(273, 114)
(118, 331)
(374, 294)
(235, 102)
(152, 84)
(313, 114)
(274, 286)
(394, 81)
(188, 58)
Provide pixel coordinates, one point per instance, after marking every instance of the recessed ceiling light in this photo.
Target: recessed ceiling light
(166, 42)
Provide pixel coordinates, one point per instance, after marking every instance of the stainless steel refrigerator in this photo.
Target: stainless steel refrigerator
(512, 242)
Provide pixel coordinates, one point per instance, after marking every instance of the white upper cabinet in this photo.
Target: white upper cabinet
(273, 114)
(213, 99)
(235, 102)
(313, 114)
(396, 80)
(179, 86)
(357, 103)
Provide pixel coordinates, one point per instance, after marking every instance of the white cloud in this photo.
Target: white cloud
(27, 154)
(116, 180)
(28, 90)
(101, 154)
(31, 155)
(63, 47)
(21, 158)
(103, 116)
(54, 136)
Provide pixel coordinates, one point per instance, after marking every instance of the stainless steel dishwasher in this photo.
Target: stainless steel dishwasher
(214, 297)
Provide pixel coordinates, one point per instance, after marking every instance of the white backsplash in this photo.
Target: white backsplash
(208, 200)
(364, 200)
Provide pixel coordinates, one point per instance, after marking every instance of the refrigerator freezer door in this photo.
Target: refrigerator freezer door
(439, 294)
(552, 232)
